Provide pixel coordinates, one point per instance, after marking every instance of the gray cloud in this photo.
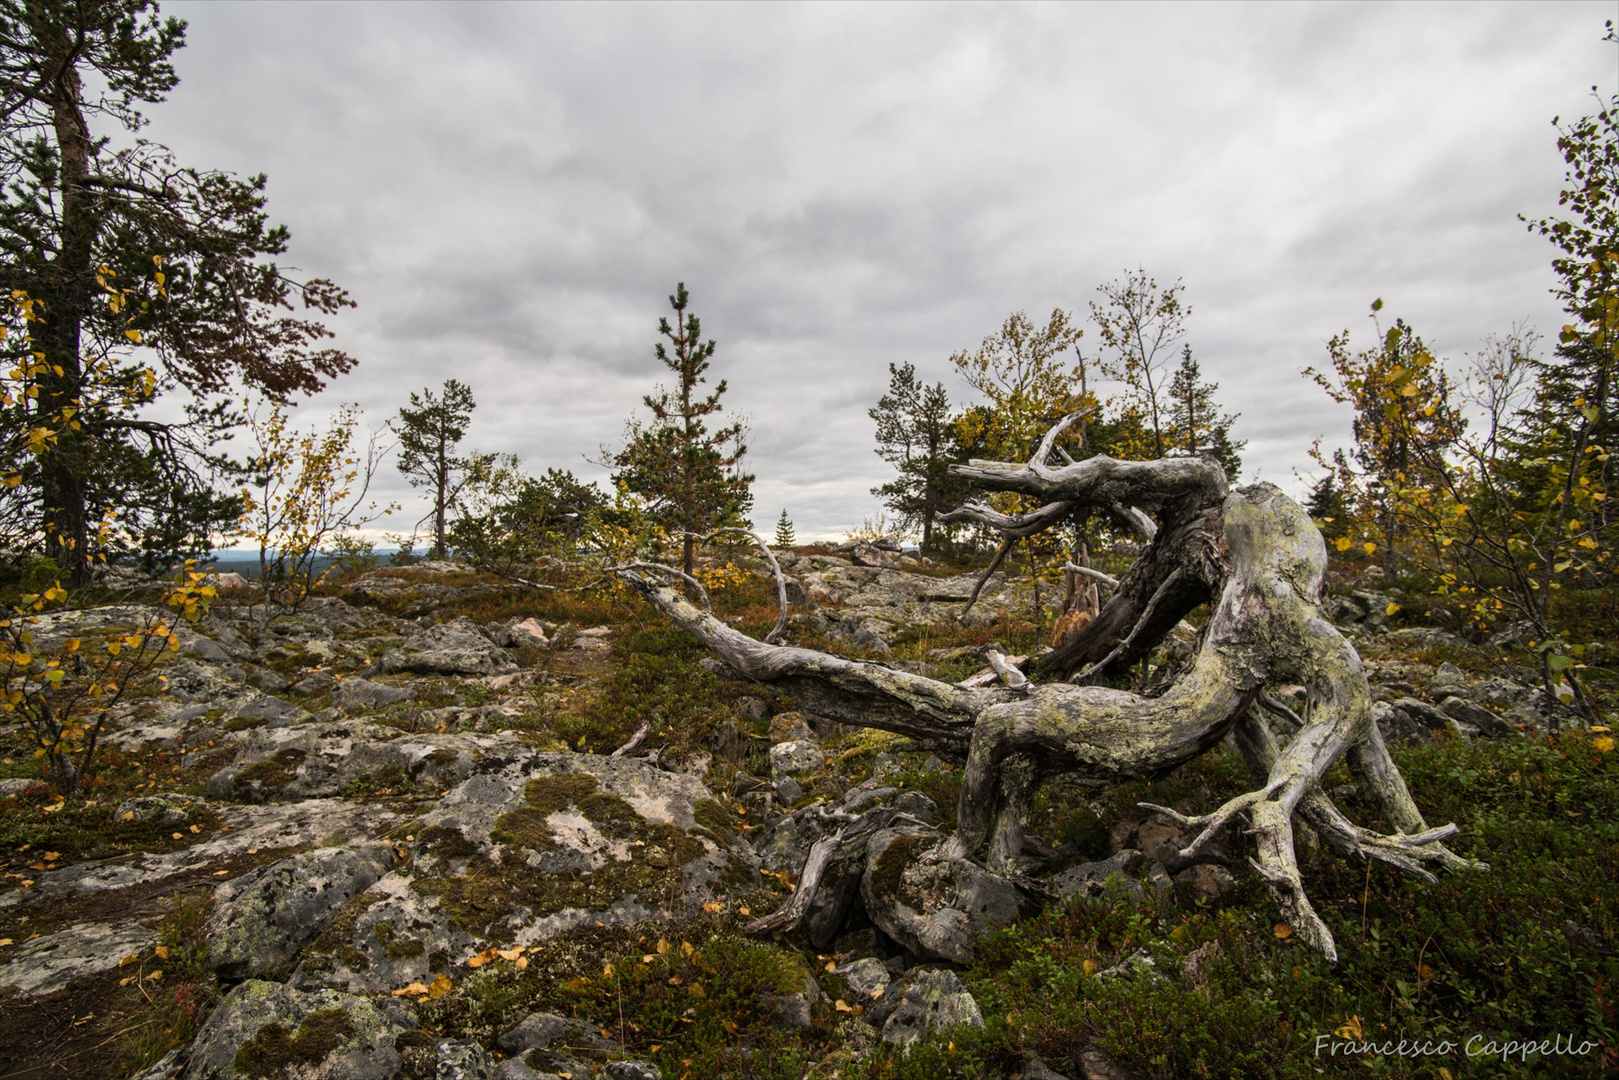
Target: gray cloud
(511, 192)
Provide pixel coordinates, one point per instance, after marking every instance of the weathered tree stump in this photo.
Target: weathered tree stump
(1255, 557)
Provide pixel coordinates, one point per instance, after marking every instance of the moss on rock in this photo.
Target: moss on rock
(274, 1050)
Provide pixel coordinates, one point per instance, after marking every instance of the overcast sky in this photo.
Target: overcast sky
(511, 192)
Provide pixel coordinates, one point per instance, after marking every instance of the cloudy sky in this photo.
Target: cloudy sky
(511, 192)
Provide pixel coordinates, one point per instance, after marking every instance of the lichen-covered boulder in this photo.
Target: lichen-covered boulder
(360, 695)
(46, 964)
(458, 647)
(928, 1002)
(262, 920)
(525, 849)
(322, 760)
(935, 905)
(267, 1029)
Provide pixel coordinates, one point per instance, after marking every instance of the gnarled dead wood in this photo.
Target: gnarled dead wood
(1258, 561)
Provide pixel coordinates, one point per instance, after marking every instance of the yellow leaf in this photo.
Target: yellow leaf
(52, 809)
(1344, 543)
(1369, 548)
(1602, 743)
(440, 987)
(1424, 972)
(1393, 608)
(1090, 967)
(1445, 1074)
(841, 1006)
(1282, 931)
(521, 964)
(1351, 1029)
(413, 989)
(130, 959)
(4, 941)
(133, 335)
(162, 952)
(154, 976)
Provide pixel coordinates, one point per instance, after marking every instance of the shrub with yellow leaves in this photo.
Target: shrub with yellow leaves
(64, 690)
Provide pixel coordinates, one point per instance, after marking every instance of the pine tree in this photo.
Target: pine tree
(144, 271)
(784, 531)
(1196, 426)
(691, 478)
(916, 434)
(429, 430)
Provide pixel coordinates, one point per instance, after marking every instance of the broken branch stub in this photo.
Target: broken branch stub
(1257, 560)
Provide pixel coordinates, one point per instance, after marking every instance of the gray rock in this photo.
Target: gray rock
(1035, 1069)
(461, 1059)
(871, 555)
(518, 1069)
(166, 809)
(1477, 717)
(316, 682)
(263, 919)
(930, 1002)
(865, 976)
(1503, 693)
(796, 1012)
(790, 727)
(800, 755)
(521, 632)
(195, 645)
(1095, 1065)
(271, 681)
(339, 1036)
(1512, 634)
(1448, 681)
(258, 828)
(537, 1031)
(1121, 871)
(167, 1067)
(458, 647)
(1426, 637)
(786, 844)
(1428, 717)
(789, 790)
(16, 785)
(593, 841)
(934, 905)
(631, 1070)
(355, 694)
(46, 964)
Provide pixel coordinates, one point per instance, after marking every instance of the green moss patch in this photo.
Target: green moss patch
(274, 772)
(274, 1050)
(552, 793)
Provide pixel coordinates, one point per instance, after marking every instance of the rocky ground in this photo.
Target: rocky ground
(362, 812)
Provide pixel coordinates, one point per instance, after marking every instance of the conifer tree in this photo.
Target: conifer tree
(916, 434)
(429, 430)
(784, 531)
(1197, 428)
(691, 477)
(146, 273)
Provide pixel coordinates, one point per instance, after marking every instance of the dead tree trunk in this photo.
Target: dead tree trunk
(1257, 560)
